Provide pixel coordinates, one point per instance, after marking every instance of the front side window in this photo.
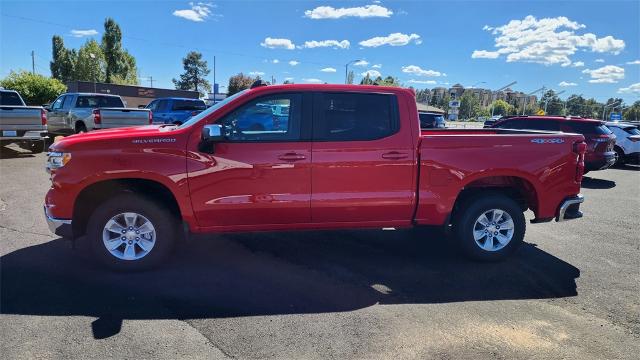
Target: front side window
(57, 105)
(355, 117)
(270, 118)
(152, 105)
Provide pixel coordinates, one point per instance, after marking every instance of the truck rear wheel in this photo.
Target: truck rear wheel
(489, 227)
(131, 233)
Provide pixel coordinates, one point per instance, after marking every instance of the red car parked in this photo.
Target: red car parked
(600, 140)
(349, 157)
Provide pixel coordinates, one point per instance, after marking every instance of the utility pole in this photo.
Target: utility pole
(215, 86)
(151, 80)
(33, 62)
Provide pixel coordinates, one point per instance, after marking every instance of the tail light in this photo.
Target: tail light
(579, 148)
(43, 117)
(150, 117)
(97, 118)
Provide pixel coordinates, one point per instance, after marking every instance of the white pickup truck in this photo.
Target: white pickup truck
(73, 113)
(21, 124)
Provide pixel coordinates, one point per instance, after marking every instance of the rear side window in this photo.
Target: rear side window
(10, 98)
(189, 105)
(89, 101)
(354, 117)
(512, 124)
(547, 125)
(587, 127)
(431, 120)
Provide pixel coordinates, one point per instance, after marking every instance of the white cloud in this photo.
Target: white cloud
(294, 62)
(329, 12)
(344, 44)
(599, 60)
(395, 39)
(275, 61)
(199, 12)
(484, 54)
(423, 82)
(609, 74)
(329, 70)
(578, 64)
(546, 41)
(487, 28)
(417, 70)
(631, 89)
(83, 33)
(361, 63)
(256, 73)
(566, 84)
(313, 81)
(372, 73)
(276, 43)
(376, 66)
(636, 62)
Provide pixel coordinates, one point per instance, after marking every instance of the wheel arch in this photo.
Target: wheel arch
(94, 194)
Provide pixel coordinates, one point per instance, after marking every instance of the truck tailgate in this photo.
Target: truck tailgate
(118, 117)
(14, 118)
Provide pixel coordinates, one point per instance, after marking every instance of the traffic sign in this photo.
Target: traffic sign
(454, 103)
(615, 116)
(540, 112)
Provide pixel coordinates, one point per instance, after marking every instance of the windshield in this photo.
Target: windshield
(210, 110)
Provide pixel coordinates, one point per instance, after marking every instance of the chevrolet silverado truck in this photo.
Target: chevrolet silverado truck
(74, 113)
(21, 124)
(349, 157)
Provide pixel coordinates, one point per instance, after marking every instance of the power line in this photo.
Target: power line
(217, 51)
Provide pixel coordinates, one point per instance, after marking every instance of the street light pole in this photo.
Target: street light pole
(93, 56)
(529, 94)
(346, 70)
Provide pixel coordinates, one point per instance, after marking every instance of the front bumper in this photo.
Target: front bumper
(60, 227)
(570, 208)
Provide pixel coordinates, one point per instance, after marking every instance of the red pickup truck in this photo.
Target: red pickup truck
(296, 157)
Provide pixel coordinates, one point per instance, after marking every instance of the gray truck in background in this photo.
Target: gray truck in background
(73, 113)
(21, 124)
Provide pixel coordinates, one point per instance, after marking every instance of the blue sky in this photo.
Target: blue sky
(583, 47)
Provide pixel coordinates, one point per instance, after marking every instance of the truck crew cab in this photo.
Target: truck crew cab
(348, 157)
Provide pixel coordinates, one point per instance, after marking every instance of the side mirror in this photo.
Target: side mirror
(210, 135)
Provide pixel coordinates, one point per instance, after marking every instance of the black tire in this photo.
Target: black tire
(81, 128)
(465, 222)
(163, 221)
(619, 157)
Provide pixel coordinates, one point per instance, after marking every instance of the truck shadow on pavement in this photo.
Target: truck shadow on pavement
(9, 153)
(593, 183)
(274, 273)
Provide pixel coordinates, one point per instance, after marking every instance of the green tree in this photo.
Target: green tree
(469, 106)
(91, 65)
(388, 81)
(552, 103)
(501, 107)
(195, 71)
(366, 80)
(35, 89)
(63, 60)
(350, 77)
(120, 65)
(632, 113)
(238, 83)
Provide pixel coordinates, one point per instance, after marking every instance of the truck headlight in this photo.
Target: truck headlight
(56, 160)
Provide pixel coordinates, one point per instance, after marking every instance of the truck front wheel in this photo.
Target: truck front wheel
(131, 233)
(489, 227)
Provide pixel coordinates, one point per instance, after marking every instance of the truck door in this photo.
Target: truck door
(55, 115)
(364, 161)
(261, 174)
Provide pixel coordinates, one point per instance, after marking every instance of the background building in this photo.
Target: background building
(134, 96)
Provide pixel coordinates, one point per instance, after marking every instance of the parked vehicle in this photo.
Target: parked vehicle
(134, 192)
(490, 122)
(627, 146)
(81, 112)
(21, 124)
(175, 110)
(429, 120)
(600, 140)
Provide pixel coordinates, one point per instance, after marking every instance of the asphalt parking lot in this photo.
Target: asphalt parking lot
(571, 292)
